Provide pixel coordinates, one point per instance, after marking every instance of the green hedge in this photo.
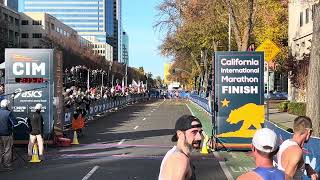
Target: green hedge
(283, 106)
(297, 108)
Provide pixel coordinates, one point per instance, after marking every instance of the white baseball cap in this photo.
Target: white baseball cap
(38, 106)
(265, 140)
(4, 103)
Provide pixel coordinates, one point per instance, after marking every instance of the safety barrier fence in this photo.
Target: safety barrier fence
(202, 102)
(102, 106)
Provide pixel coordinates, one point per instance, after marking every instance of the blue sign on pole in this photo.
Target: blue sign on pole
(239, 89)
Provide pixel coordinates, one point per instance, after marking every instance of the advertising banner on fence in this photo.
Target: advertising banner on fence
(240, 95)
(310, 150)
(28, 78)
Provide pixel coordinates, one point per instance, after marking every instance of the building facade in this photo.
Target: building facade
(87, 17)
(10, 26)
(125, 48)
(300, 37)
(102, 49)
(35, 26)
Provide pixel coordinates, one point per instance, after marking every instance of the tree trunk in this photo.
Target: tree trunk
(242, 38)
(313, 89)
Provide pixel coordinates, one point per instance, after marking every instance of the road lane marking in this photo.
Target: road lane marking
(136, 127)
(90, 173)
(149, 114)
(122, 141)
(224, 167)
(189, 109)
(143, 119)
(153, 109)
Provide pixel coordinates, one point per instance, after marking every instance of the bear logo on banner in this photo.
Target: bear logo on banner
(251, 115)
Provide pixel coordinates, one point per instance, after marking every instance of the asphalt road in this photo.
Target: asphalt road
(127, 144)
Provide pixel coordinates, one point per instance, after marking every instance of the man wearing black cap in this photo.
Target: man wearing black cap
(176, 163)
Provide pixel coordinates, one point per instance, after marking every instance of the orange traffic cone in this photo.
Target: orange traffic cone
(35, 155)
(75, 138)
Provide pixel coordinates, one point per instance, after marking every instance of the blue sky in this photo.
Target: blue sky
(138, 18)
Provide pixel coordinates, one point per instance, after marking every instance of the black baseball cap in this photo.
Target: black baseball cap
(184, 123)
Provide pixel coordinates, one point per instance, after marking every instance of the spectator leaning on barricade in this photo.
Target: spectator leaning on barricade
(35, 121)
(7, 122)
(290, 155)
(264, 147)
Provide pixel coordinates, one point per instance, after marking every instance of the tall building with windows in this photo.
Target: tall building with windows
(87, 17)
(12, 4)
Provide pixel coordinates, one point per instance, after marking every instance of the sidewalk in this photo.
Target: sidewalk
(283, 119)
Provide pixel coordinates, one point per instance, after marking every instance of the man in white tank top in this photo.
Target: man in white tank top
(290, 154)
(176, 163)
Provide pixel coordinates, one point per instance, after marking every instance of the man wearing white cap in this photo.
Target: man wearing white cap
(36, 122)
(7, 122)
(264, 147)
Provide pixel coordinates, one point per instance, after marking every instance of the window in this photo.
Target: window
(24, 22)
(16, 21)
(52, 26)
(6, 17)
(36, 35)
(301, 19)
(307, 15)
(11, 19)
(39, 22)
(24, 35)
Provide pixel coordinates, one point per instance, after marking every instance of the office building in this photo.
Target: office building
(36, 26)
(87, 17)
(10, 24)
(102, 49)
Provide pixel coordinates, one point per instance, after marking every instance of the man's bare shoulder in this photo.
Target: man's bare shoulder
(179, 158)
(249, 176)
(293, 152)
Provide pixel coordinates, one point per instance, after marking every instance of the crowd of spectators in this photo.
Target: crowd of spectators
(80, 91)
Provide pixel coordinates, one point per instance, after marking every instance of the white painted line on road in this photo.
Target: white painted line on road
(189, 109)
(143, 119)
(151, 111)
(136, 127)
(224, 167)
(90, 173)
(149, 114)
(122, 141)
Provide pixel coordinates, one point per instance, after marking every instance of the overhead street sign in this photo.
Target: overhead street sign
(270, 49)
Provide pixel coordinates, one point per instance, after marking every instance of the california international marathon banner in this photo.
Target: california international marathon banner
(311, 149)
(240, 93)
(28, 81)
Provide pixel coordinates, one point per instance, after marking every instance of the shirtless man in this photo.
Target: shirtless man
(176, 163)
(290, 155)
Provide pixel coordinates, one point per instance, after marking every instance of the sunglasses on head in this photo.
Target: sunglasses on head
(310, 130)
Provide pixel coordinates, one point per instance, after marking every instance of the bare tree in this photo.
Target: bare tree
(313, 87)
(241, 32)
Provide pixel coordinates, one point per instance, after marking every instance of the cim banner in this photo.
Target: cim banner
(29, 80)
(240, 94)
